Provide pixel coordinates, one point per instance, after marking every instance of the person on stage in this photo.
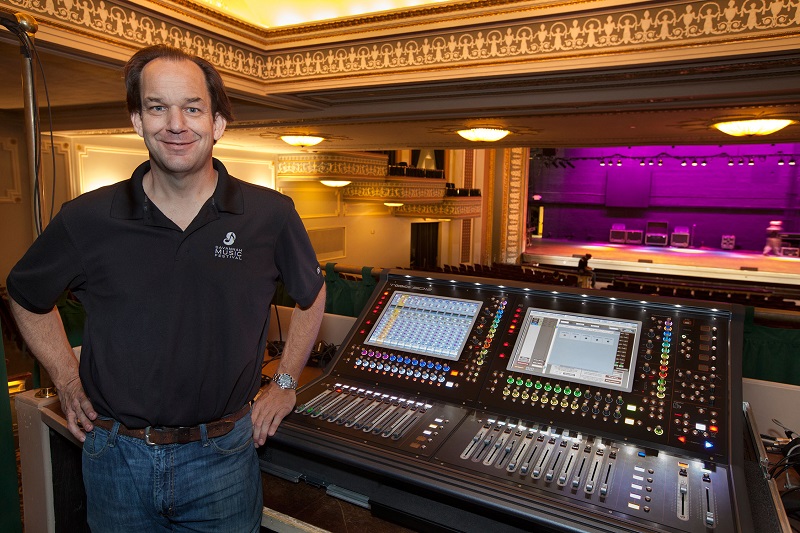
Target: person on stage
(774, 241)
(585, 269)
(176, 268)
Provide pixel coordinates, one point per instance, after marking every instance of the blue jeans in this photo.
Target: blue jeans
(210, 485)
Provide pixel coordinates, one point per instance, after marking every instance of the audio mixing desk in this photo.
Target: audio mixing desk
(466, 403)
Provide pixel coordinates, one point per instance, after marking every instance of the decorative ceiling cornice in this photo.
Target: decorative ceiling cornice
(586, 32)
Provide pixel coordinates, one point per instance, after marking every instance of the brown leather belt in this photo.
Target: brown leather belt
(177, 435)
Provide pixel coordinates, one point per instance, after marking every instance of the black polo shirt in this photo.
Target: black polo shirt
(176, 320)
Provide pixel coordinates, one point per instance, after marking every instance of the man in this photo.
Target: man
(584, 268)
(176, 268)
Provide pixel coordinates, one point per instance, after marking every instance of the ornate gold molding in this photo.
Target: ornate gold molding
(539, 32)
(396, 189)
(331, 165)
(515, 173)
(452, 207)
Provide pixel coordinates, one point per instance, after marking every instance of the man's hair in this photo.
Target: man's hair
(133, 78)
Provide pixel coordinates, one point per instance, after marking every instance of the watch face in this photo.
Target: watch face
(285, 381)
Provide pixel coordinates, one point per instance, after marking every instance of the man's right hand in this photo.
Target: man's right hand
(77, 408)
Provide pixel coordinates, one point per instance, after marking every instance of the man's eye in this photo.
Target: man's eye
(157, 108)
(193, 110)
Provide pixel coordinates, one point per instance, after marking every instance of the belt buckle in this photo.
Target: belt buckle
(147, 436)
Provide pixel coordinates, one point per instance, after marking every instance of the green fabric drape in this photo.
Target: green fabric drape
(770, 354)
(363, 290)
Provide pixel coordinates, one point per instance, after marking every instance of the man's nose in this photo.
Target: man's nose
(176, 121)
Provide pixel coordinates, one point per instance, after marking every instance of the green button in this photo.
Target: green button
(529, 383)
(538, 385)
(548, 387)
(520, 381)
(577, 393)
(557, 388)
(567, 391)
(658, 431)
(510, 381)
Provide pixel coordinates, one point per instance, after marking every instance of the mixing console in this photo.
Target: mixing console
(571, 411)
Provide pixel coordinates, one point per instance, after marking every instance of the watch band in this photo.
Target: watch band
(285, 381)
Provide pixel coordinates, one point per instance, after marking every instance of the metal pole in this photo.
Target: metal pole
(29, 26)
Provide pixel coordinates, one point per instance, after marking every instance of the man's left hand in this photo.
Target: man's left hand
(272, 404)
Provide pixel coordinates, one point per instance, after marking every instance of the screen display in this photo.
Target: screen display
(425, 325)
(587, 349)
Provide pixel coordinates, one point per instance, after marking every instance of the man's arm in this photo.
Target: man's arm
(273, 403)
(47, 339)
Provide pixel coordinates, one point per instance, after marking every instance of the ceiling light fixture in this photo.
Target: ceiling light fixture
(335, 183)
(393, 204)
(302, 141)
(749, 128)
(483, 134)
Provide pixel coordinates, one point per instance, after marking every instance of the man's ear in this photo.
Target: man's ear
(136, 120)
(219, 126)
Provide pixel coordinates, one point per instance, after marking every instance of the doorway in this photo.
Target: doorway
(424, 245)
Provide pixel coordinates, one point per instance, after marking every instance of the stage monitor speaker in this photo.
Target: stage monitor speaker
(790, 251)
(728, 242)
(634, 236)
(617, 236)
(680, 240)
(657, 233)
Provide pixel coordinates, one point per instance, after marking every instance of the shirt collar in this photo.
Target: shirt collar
(129, 198)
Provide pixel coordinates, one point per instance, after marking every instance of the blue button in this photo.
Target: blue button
(709, 444)
(641, 454)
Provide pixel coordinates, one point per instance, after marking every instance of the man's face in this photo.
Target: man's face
(176, 121)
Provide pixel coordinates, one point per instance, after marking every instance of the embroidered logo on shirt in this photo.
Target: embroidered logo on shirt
(227, 251)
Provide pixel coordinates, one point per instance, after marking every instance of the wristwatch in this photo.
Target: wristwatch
(284, 381)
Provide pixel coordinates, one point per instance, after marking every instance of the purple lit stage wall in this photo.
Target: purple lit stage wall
(717, 199)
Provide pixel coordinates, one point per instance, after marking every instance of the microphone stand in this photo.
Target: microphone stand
(24, 26)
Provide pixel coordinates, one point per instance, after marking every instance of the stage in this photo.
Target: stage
(707, 263)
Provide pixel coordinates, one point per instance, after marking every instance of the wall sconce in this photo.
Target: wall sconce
(484, 134)
(335, 183)
(302, 141)
(749, 128)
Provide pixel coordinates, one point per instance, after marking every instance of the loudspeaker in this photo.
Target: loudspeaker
(790, 251)
(617, 235)
(680, 240)
(657, 233)
(655, 239)
(634, 236)
(728, 242)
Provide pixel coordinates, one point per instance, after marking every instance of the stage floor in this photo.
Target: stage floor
(711, 263)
